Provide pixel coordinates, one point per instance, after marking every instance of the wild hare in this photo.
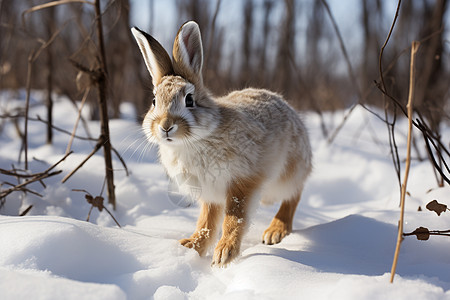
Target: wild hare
(247, 145)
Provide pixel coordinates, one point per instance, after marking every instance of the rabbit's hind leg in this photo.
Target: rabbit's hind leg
(281, 224)
(207, 224)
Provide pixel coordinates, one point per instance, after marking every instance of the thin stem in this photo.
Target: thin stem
(414, 49)
(86, 93)
(27, 107)
(96, 148)
(385, 44)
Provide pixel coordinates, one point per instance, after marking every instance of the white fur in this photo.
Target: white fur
(246, 134)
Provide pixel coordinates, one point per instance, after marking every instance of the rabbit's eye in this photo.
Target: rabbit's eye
(154, 102)
(188, 100)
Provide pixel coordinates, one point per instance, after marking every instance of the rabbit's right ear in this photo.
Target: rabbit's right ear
(188, 53)
(156, 58)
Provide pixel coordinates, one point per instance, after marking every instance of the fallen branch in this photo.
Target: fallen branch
(23, 189)
(36, 177)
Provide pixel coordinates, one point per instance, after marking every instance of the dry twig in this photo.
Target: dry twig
(349, 69)
(97, 202)
(72, 136)
(414, 49)
(54, 3)
(96, 148)
(32, 178)
(34, 54)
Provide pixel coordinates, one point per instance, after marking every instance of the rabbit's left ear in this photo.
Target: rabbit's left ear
(188, 53)
(156, 58)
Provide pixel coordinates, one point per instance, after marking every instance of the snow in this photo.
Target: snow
(342, 246)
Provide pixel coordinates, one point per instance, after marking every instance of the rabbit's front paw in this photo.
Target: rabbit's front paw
(193, 243)
(275, 232)
(226, 250)
(197, 241)
(189, 243)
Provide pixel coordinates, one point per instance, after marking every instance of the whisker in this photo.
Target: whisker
(144, 152)
(142, 141)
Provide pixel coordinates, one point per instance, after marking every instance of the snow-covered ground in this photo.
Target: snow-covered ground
(341, 248)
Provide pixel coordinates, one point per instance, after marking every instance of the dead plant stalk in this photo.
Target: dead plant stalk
(104, 120)
(74, 131)
(414, 49)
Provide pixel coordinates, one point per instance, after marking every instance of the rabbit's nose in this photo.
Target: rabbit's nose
(167, 130)
(166, 124)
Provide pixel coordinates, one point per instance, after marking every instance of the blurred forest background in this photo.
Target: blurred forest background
(288, 46)
(322, 55)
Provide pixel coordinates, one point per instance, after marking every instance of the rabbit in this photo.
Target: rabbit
(239, 148)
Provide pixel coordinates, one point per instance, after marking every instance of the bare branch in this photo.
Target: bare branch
(96, 148)
(36, 177)
(380, 65)
(121, 160)
(62, 130)
(72, 136)
(54, 3)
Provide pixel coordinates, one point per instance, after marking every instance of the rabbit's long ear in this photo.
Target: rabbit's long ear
(156, 58)
(188, 53)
